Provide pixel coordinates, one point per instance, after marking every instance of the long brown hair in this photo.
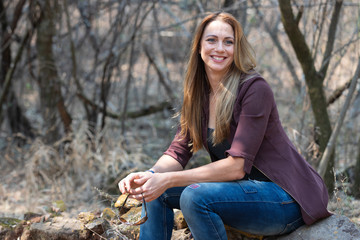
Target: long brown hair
(196, 84)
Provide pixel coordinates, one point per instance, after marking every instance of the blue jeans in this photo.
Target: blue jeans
(255, 207)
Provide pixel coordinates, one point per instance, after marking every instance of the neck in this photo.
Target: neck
(214, 82)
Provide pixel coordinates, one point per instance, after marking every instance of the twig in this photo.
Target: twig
(95, 232)
(105, 195)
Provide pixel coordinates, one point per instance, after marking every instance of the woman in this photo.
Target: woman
(257, 182)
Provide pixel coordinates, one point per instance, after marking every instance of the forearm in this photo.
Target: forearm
(166, 163)
(228, 169)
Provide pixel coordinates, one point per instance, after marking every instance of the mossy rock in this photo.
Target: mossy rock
(108, 214)
(9, 223)
(86, 217)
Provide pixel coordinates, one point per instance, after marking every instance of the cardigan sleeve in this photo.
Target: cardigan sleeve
(251, 112)
(179, 148)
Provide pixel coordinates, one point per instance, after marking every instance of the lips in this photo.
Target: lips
(218, 59)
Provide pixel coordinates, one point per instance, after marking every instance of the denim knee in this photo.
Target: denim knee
(190, 200)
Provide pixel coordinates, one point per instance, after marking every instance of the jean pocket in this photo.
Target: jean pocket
(248, 186)
(290, 227)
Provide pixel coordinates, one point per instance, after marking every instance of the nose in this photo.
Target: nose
(220, 47)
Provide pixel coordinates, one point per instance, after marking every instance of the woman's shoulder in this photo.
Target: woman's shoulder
(254, 81)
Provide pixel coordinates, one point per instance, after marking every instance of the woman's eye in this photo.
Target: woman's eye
(229, 42)
(211, 40)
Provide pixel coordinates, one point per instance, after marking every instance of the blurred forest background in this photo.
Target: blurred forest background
(89, 89)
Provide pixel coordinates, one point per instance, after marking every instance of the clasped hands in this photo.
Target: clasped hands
(147, 184)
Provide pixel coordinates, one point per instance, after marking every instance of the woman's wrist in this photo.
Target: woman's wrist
(150, 170)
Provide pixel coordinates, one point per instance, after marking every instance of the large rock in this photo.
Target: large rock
(334, 227)
(56, 229)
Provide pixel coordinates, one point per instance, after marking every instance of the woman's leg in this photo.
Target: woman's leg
(255, 207)
(160, 221)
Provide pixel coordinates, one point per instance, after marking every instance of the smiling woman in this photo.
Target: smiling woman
(257, 182)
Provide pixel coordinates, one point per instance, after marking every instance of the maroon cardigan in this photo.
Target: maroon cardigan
(256, 134)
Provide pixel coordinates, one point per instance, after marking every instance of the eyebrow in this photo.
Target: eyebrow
(211, 35)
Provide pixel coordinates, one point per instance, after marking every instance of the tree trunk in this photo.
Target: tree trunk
(314, 80)
(51, 99)
(356, 186)
(17, 120)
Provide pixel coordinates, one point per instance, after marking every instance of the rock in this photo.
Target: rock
(10, 228)
(98, 226)
(8, 222)
(30, 215)
(108, 214)
(133, 215)
(181, 234)
(234, 234)
(179, 220)
(58, 228)
(130, 203)
(334, 227)
(86, 217)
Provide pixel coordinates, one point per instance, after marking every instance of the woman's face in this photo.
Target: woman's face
(217, 47)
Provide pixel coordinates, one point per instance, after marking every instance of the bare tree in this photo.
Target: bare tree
(52, 102)
(17, 120)
(314, 78)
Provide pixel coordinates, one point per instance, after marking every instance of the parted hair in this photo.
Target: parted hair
(196, 85)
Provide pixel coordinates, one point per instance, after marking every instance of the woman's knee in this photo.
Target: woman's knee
(191, 198)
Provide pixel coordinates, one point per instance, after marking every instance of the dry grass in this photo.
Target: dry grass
(37, 174)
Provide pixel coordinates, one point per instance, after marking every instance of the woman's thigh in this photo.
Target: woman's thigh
(252, 206)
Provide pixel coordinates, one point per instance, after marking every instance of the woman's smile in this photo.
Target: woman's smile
(218, 59)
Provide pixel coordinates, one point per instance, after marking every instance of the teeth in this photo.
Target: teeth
(218, 58)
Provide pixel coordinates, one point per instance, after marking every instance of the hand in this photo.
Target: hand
(151, 187)
(127, 184)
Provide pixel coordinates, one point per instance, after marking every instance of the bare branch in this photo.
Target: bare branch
(161, 75)
(132, 114)
(331, 36)
(299, 15)
(274, 36)
(338, 92)
(296, 37)
(315, 49)
(331, 143)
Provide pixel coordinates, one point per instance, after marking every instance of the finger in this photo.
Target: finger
(122, 187)
(137, 197)
(141, 181)
(127, 182)
(136, 191)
